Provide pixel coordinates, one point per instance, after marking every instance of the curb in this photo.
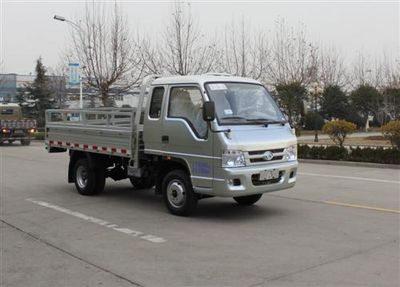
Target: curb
(350, 163)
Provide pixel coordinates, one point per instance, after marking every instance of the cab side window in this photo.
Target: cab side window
(186, 103)
(156, 102)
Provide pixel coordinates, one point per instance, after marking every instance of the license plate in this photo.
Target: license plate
(269, 174)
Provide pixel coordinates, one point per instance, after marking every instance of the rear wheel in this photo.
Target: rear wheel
(88, 181)
(248, 200)
(178, 193)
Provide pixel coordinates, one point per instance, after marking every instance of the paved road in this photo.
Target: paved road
(338, 227)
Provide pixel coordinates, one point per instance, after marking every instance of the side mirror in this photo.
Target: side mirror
(208, 111)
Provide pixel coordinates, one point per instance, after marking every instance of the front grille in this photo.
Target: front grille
(261, 152)
(255, 179)
(257, 156)
(260, 159)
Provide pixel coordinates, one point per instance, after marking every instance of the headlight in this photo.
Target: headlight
(233, 158)
(291, 153)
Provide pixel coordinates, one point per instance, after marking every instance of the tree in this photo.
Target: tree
(291, 97)
(39, 92)
(334, 103)
(103, 47)
(183, 49)
(313, 120)
(338, 130)
(332, 71)
(291, 56)
(391, 102)
(367, 101)
(245, 53)
(58, 84)
(363, 73)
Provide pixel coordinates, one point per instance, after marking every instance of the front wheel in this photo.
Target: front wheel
(248, 200)
(88, 181)
(178, 193)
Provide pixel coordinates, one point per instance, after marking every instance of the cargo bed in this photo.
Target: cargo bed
(99, 130)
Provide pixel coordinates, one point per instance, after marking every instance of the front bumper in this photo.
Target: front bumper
(244, 181)
(14, 137)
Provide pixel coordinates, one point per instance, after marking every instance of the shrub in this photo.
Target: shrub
(391, 131)
(39, 136)
(335, 153)
(303, 151)
(316, 152)
(338, 130)
(376, 155)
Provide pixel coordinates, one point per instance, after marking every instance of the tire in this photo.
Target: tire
(142, 183)
(178, 193)
(25, 142)
(248, 200)
(88, 181)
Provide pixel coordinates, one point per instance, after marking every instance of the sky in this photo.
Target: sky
(28, 30)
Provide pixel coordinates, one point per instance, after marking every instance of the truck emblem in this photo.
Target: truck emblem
(268, 155)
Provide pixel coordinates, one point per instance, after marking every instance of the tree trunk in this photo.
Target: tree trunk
(105, 99)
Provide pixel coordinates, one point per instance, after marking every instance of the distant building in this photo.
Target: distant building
(9, 84)
(64, 95)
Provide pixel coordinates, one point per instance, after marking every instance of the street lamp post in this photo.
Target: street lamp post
(315, 91)
(77, 28)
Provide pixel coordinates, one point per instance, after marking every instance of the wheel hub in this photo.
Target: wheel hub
(81, 176)
(176, 193)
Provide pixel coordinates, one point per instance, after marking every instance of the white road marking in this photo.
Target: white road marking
(349, 177)
(115, 227)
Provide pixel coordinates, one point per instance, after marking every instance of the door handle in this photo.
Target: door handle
(165, 139)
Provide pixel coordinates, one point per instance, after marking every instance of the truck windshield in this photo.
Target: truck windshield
(243, 103)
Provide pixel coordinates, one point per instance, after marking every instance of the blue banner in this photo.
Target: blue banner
(74, 74)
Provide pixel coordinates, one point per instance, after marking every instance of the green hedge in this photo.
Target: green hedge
(376, 155)
(39, 136)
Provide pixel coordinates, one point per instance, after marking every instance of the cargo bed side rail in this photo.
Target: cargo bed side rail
(99, 130)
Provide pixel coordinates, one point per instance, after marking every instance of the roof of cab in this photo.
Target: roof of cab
(201, 79)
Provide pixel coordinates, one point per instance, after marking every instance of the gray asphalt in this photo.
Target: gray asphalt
(338, 227)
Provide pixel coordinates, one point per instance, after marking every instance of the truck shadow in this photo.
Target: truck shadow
(224, 209)
(10, 144)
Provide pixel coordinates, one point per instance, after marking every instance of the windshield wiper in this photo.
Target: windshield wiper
(233, 118)
(266, 122)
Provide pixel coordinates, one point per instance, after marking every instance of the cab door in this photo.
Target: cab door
(185, 134)
(153, 123)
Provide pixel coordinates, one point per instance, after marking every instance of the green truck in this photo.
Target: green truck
(13, 127)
